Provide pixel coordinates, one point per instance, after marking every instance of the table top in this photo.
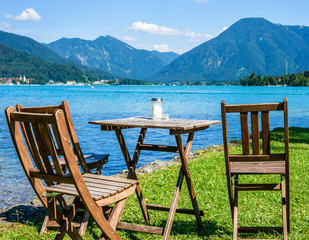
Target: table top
(175, 125)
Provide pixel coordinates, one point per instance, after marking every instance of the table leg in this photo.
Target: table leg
(131, 165)
(170, 219)
(184, 171)
(184, 156)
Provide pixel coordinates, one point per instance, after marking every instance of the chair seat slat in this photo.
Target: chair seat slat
(258, 167)
(108, 178)
(106, 183)
(99, 189)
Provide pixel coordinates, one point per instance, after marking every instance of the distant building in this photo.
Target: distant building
(71, 82)
(8, 81)
(101, 82)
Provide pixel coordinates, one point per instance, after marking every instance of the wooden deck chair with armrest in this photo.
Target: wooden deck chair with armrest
(89, 163)
(46, 133)
(253, 162)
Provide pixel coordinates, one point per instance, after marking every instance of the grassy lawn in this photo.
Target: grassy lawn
(208, 174)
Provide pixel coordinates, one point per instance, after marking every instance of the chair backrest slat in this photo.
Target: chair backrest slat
(259, 114)
(33, 150)
(254, 107)
(44, 109)
(70, 127)
(255, 133)
(50, 144)
(42, 147)
(265, 132)
(245, 133)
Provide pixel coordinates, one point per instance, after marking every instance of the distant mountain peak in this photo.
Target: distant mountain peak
(110, 54)
(249, 45)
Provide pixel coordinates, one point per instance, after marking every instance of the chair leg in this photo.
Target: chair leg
(84, 223)
(235, 209)
(287, 190)
(230, 192)
(44, 225)
(284, 209)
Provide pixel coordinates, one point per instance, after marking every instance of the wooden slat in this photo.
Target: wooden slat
(116, 198)
(104, 182)
(45, 109)
(258, 167)
(167, 209)
(95, 192)
(33, 118)
(245, 133)
(254, 107)
(109, 178)
(35, 153)
(46, 134)
(259, 187)
(59, 151)
(159, 148)
(255, 158)
(42, 148)
(106, 187)
(140, 228)
(176, 125)
(255, 133)
(193, 130)
(53, 178)
(257, 229)
(265, 132)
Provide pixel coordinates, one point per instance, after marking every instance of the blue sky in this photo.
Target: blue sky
(164, 25)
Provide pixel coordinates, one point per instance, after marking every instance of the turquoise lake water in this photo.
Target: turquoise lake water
(109, 102)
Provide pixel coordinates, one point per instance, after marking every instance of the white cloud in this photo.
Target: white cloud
(153, 29)
(129, 39)
(8, 16)
(4, 26)
(161, 48)
(28, 14)
(197, 37)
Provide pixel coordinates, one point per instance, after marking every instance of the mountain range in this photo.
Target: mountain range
(249, 45)
(15, 63)
(34, 48)
(110, 54)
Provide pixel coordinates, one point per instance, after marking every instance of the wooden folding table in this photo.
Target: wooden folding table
(176, 127)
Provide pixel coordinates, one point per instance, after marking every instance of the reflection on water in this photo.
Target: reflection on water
(106, 102)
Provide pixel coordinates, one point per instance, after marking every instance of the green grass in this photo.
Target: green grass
(208, 174)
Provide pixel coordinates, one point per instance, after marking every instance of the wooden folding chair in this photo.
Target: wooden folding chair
(89, 163)
(253, 162)
(46, 133)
